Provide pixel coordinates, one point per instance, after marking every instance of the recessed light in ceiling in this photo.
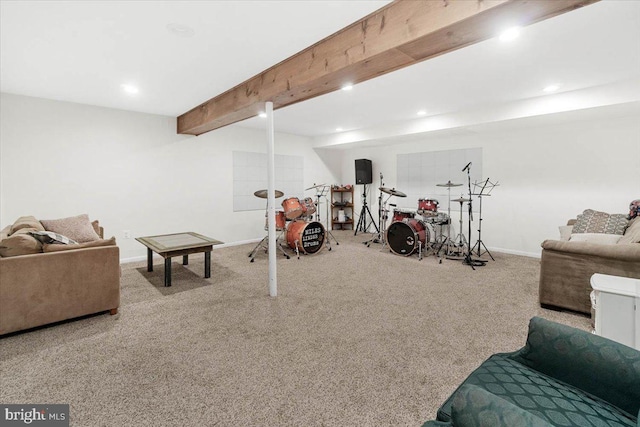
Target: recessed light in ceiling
(421, 113)
(348, 86)
(129, 89)
(510, 34)
(339, 129)
(180, 30)
(262, 115)
(551, 88)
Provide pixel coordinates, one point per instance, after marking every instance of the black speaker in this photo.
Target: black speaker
(363, 171)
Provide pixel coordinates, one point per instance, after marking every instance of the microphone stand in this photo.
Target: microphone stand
(473, 263)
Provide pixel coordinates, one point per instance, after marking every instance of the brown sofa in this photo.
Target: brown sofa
(567, 266)
(58, 283)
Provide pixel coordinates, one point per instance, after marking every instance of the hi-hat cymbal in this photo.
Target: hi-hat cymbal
(461, 200)
(449, 184)
(264, 193)
(315, 186)
(392, 191)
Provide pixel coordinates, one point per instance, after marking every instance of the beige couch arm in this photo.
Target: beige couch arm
(49, 287)
(566, 269)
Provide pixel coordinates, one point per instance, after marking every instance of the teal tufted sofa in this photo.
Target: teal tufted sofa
(561, 377)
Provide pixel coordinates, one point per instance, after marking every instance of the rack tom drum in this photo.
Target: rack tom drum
(292, 207)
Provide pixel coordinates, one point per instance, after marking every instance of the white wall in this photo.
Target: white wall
(131, 171)
(547, 175)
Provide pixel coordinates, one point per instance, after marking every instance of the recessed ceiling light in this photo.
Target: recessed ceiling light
(510, 34)
(339, 129)
(180, 30)
(262, 115)
(422, 113)
(129, 89)
(348, 86)
(551, 88)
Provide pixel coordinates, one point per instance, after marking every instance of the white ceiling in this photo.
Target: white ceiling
(83, 51)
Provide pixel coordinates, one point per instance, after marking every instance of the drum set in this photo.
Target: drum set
(298, 223)
(419, 230)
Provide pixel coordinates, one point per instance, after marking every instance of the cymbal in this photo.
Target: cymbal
(392, 191)
(461, 200)
(315, 186)
(263, 194)
(449, 184)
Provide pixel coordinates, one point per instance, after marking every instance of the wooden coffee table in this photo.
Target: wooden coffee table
(178, 244)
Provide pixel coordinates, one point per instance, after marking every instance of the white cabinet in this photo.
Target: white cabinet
(617, 308)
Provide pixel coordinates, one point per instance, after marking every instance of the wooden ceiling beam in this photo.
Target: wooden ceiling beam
(399, 34)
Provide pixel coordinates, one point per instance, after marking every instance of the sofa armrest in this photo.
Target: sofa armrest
(474, 406)
(44, 288)
(594, 364)
(622, 252)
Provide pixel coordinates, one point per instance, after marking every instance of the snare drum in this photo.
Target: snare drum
(400, 214)
(308, 207)
(308, 237)
(280, 221)
(292, 207)
(406, 236)
(427, 206)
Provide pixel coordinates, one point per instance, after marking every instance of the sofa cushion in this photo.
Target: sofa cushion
(20, 243)
(549, 399)
(26, 222)
(632, 233)
(591, 221)
(473, 406)
(599, 238)
(78, 228)
(52, 247)
(51, 237)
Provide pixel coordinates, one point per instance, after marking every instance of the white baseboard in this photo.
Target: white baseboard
(224, 245)
(512, 252)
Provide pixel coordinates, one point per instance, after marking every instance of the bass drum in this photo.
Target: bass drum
(308, 237)
(404, 237)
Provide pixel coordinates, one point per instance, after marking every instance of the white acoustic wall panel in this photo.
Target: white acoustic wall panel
(419, 174)
(250, 175)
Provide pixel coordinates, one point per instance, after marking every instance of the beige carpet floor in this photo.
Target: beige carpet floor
(357, 336)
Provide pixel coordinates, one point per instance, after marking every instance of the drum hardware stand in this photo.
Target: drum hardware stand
(473, 263)
(263, 243)
(321, 191)
(480, 244)
(362, 221)
(460, 237)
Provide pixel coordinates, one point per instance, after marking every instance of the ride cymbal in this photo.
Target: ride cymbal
(392, 191)
(264, 193)
(315, 186)
(449, 184)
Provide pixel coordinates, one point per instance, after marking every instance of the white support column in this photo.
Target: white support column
(271, 202)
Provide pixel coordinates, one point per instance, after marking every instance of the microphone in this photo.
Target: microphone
(381, 175)
(466, 167)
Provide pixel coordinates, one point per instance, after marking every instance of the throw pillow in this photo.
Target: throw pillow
(591, 221)
(26, 222)
(51, 237)
(599, 238)
(78, 228)
(94, 244)
(632, 234)
(565, 231)
(19, 244)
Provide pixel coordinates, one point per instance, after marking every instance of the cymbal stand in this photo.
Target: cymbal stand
(362, 221)
(487, 185)
(380, 236)
(264, 244)
(322, 192)
(473, 263)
